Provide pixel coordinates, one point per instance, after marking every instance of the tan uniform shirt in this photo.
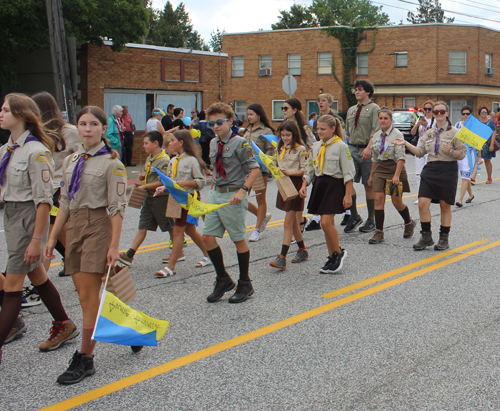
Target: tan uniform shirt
(29, 174)
(428, 141)
(338, 162)
(103, 183)
(162, 165)
(73, 143)
(368, 123)
(295, 159)
(261, 142)
(188, 169)
(391, 151)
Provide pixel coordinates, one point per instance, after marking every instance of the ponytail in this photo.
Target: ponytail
(114, 154)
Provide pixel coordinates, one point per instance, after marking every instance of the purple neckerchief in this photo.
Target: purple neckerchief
(436, 142)
(76, 177)
(382, 144)
(10, 150)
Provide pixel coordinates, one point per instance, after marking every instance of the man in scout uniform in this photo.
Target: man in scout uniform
(361, 125)
(235, 170)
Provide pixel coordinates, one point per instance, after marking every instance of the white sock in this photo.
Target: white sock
(317, 218)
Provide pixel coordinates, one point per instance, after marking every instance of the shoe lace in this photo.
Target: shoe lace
(27, 291)
(54, 331)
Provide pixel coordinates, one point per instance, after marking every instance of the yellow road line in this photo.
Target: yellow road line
(233, 342)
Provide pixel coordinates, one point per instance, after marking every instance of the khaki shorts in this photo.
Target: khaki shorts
(88, 237)
(153, 214)
(19, 225)
(230, 218)
(363, 168)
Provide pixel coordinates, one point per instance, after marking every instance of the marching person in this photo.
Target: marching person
(439, 177)
(388, 164)
(26, 170)
(488, 151)
(93, 203)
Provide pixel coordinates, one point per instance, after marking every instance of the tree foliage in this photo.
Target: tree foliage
(429, 11)
(299, 16)
(215, 41)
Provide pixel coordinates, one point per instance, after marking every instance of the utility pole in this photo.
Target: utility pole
(60, 61)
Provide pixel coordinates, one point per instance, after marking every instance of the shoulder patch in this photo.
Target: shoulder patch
(42, 157)
(244, 144)
(348, 152)
(119, 171)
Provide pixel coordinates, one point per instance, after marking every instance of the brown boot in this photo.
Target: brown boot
(409, 229)
(425, 241)
(59, 334)
(443, 242)
(377, 238)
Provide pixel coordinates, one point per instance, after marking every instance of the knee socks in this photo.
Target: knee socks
(370, 205)
(425, 226)
(379, 219)
(87, 343)
(406, 215)
(244, 264)
(52, 300)
(10, 310)
(284, 249)
(218, 262)
(354, 211)
(444, 230)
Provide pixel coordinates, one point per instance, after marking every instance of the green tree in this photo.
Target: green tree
(215, 41)
(299, 16)
(429, 11)
(351, 13)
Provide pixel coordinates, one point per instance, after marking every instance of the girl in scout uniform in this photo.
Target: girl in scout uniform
(388, 164)
(292, 162)
(186, 170)
(331, 168)
(93, 203)
(26, 189)
(439, 177)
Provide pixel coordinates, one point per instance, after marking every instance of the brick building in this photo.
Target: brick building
(408, 65)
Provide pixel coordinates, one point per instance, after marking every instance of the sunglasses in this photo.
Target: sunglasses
(483, 112)
(284, 108)
(218, 122)
(436, 112)
(465, 114)
(427, 108)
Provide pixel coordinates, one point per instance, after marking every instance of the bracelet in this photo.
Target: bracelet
(35, 238)
(452, 153)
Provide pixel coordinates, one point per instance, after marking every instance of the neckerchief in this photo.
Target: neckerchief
(174, 166)
(436, 137)
(148, 166)
(282, 154)
(384, 135)
(320, 160)
(219, 167)
(10, 150)
(358, 112)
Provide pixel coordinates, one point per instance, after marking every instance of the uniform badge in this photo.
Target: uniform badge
(120, 188)
(244, 144)
(227, 148)
(367, 109)
(45, 176)
(62, 183)
(75, 157)
(42, 157)
(386, 155)
(348, 152)
(119, 171)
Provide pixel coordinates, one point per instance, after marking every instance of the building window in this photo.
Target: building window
(294, 64)
(458, 61)
(238, 66)
(495, 106)
(240, 109)
(488, 64)
(402, 59)
(265, 65)
(325, 63)
(277, 112)
(408, 102)
(362, 64)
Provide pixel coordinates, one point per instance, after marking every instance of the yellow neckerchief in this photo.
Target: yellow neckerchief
(148, 166)
(174, 165)
(282, 154)
(320, 160)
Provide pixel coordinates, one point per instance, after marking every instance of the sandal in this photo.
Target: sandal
(165, 272)
(204, 262)
(166, 260)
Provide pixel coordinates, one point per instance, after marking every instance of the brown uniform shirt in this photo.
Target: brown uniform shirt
(391, 151)
(73, 143)
(159, 163)
(367, 126)
(261, 142)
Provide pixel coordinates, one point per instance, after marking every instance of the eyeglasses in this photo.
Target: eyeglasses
(284, 108)
(218, 122)
(436, 112)
(465, 114)
(483, 112)
(427, 108)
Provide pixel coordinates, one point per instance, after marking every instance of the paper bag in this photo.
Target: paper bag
(174, 209)
(136, 198)
(286, 188)
(120, 284)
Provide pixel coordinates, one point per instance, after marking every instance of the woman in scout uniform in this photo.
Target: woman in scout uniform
(439, 177)
(258, 124)
(388, 165)
(292, 162)
(93, 203)
(26, 170)
(186, 171)
(332, 170)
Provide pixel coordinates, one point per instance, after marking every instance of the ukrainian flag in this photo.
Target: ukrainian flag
(198, 209)
(117, 323)
(474, 133)
(272, 139)
(266, 161)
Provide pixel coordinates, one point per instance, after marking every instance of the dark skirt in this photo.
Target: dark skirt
(297, 204)
(384, 170)
(438, 181)
(327, 196)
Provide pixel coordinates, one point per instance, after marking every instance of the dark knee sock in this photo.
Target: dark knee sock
(130, 253)
(60, 248)
(87, 343)
(244, 264)
(354, 210)
(406, 215)
(52, 300)
(284, 249)
(370, 205)
(379, 219)
(301, 244)
(10, 310)
(218, 262)
(2, 293)
(425, 226)
(444, 230)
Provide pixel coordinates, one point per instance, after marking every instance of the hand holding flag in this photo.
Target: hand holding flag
(266, 161)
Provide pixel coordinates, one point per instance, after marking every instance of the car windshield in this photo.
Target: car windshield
(402, 117)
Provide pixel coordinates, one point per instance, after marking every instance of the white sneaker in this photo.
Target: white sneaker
(255, 236)
(416, 201)
(264, 223)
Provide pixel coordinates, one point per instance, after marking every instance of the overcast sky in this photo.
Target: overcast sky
(241, 16)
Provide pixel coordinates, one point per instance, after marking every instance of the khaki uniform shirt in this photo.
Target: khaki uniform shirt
(295, 159)
(427, 145)
(188, 169)
(162, 165)
(261, 142)
(73, 142)
(237, 159)
(103, 183)
(29, 174)
(368, 123)
(338, 162)
(391, 151)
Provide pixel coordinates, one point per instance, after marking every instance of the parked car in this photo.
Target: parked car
(404, 119)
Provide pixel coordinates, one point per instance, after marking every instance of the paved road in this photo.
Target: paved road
(396, 330)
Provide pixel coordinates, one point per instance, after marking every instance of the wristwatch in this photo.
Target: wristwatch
(244, 187)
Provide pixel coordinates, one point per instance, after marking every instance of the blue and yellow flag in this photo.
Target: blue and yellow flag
(198, 209)
(474, 133)
(117, 323)
(272, 139)
(267, 162)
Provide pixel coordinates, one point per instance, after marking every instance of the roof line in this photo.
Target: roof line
(170, 49)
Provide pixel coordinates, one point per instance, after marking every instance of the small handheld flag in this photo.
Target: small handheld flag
(474, 133)
(271, 138)
(267, 161)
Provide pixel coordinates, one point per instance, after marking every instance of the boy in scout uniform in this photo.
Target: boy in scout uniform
(235, 171)
(361, 125)
(153, 208)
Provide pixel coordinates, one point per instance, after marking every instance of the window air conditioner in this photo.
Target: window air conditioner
(490, 71)
(264, 72)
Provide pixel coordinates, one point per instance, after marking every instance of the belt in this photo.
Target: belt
(226, 189)
(89, 212)
(358, 145)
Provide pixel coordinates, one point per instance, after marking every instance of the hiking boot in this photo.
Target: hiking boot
(222, 285)
(302, 255)
(125, 259)
(443, 242)
(18, 329)
(409, 229)
(80, 366)
(345, 220)
(353, 223)
(243, 292)
(59, 334)
(425, 241)
(377, 238)
(279, 262)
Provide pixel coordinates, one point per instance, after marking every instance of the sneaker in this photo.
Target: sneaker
(255, 236)
(80, 366)
(17, 331)
(59, 334)
(313, 225)
(345, 220)
(264, 223)
(279, 262)
(335, 263)
(30, 297)
(367, 227)
(125, 259)
(377, 238)
(62, 273)
(166, 260)
(170, 244)
(354, 222)
(302, 255)
(489, 181)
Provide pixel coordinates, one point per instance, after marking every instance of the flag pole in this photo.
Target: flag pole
(107, 278)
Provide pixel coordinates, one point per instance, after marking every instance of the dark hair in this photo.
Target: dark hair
(299, 117)
(24, 108)
(178, 111)
(466, 108)
(154, 136)
(312, 115)
(52, 118)
(292, 128)
(366, 85)
(481, 108)
(170, 106)
(101, 117)
(189, 147)
(442, 103)
(202, 115)
(259, 110)
(196, 111)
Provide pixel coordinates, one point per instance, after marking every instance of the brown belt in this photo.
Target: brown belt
(226, 189)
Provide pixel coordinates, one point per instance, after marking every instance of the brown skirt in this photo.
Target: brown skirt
(297, 204)
(327, 196)
(384, 170)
